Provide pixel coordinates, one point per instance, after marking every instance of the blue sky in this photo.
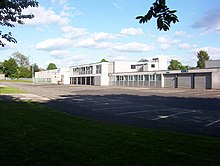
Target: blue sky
(68, 32)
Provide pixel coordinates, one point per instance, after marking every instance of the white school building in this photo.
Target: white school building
(153, 74)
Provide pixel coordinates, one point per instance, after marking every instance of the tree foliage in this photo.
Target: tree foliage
(10, 68)
(104, 60)
(11, 13)
(143, 60)
(21, 59)
(18, 66)
(202, 57)
(51, 66)
(175, 65)
(162, 13)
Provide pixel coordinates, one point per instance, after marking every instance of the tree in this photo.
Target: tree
(24, 67)
(143, 60)
(11, 13)
(162, 13)
(104, 60)
(36, 68)
(202, 56)
(10, 68)
(1, 68)
(175, 65)
(21, 59)
(51, 66)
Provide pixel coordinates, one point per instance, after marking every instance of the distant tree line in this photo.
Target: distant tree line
(18, 66)
(202, 57)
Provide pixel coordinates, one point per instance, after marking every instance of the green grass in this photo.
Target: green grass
(31, 134)
(10, 90)
(15, 80)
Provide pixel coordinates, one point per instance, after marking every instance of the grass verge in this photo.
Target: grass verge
(10, 90)
(31, 134)
(27, 81)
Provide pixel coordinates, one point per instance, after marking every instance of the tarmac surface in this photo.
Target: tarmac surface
(181, 110)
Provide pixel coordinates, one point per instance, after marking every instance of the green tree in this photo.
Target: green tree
(51, 66)
(202, 57)
(104, 60)
(36, 68)
(11, 13)
(10, 68)
(1, 68)
(143, 60)
(21, 59)
(24, 67)
(162, 13)
(175, 65)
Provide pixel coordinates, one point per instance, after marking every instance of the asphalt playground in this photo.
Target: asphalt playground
(178, 110)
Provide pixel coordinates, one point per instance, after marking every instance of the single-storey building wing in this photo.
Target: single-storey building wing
(53, 76)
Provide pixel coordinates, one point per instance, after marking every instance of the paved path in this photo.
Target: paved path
(188, 111)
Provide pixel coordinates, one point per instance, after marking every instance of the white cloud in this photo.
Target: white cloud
(60, 2)
(166, 42)
(104, 36)
(60, 53)
(132, 47)
(162, 39)
(131, 31)
(73, 32)
(92, 43)
(179, 33)
(89, 42)
(56, 43)
(185, 46)
(43, 16)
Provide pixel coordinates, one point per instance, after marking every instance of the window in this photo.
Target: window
(131, 78)
(152, 65)
(146, 77)
(98, 69)
(140, 77)
(152, 77)
(133, 67)
(158, 77)
(126, 78)
(135, 77)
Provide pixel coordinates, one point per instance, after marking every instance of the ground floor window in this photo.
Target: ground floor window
(82, 80)
(147, 80)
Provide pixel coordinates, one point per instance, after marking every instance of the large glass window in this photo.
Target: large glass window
(135, 77)
(152, 77)
(146, 77)
(158, 77)
(98, 69)
(131, 78)
(140, 78)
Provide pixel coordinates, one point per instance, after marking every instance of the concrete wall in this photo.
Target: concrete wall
(2, 76)
(216, 79)
(54, 75)
(212, 64)
(123, 67)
